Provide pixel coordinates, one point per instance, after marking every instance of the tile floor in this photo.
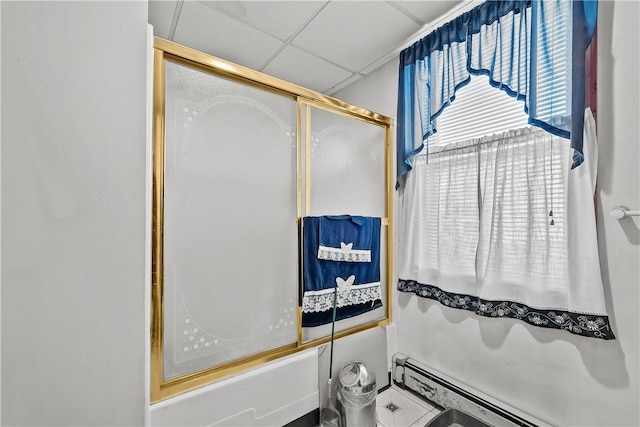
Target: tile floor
(399, 408)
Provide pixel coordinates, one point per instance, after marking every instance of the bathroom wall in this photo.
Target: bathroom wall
(73, 212)
(557, 377)
(73, 225)
(74, 92)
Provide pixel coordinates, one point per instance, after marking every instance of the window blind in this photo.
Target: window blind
(552, 88)
(478, 110)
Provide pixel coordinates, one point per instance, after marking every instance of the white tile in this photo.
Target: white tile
(299, 67)
(210, 31)
(425, 419)
(420, 401)
(409, 411)
(383, 398)
(400, 418)
(161, 16)
(278, 18)
(409, 395)
(355, 33)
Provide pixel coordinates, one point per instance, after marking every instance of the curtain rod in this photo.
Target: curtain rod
(430, 26)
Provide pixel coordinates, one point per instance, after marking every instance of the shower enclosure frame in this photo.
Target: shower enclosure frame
(306, 99)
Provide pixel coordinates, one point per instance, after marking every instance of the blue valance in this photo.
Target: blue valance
(532, 50)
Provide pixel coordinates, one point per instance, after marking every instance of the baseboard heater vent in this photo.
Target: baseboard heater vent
(448, 393)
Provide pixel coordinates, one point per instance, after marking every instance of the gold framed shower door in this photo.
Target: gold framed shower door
(164, 50)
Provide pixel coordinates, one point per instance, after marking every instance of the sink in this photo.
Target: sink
(455, 418)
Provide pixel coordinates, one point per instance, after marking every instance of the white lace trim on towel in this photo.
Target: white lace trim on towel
(317, 301)
(344, 253)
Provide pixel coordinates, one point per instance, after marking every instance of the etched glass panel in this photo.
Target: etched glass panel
(347, 165)
(230, 235)
(347, 173)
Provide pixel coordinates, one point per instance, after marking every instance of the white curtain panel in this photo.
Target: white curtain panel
(502, 226)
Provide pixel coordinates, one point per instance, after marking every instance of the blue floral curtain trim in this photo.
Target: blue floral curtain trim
(588, 325)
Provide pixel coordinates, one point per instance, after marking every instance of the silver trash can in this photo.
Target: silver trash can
(357, 395)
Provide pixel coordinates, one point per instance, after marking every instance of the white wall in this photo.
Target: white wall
(248, 399)
(278, 392)
(73, 212)
(557, 377)
(73, 197)
(74, 93)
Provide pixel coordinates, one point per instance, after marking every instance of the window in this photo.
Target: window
(500, 225)
(522, 172)
(494, 219)
(492, 200)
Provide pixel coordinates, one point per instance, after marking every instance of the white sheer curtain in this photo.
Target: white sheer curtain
(502, 226)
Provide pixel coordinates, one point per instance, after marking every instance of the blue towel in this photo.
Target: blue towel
(358, 282)
(346, 238)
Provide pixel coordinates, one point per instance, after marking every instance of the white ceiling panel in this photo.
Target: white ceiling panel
(161, 15)
(210, 31)
(323, 45)
(428, 11)
(355, 34)
(278, 18)
(343, 84)
(298, 67)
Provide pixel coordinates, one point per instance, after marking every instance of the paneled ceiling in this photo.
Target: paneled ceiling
(321, 45)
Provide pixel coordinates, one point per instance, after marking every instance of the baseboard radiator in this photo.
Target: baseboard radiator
(446, 392)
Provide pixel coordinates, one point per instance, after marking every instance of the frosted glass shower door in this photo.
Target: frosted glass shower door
(347, 165)
(230, 210)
